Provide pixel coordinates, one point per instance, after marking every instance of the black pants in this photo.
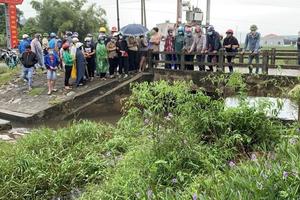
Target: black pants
(91, 65)
(178, 59)
(189, 58)
(213, 60)
(229, 60)
(113, 64)
(172, 58)
(68, 74)
(123, 65)
(132, 56)
(201, 59)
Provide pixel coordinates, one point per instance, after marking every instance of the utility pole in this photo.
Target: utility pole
(118, 15)
(207, 12)
(142, 12)
(145, 13)
(179, 12)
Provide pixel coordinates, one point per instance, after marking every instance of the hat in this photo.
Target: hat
(78, 45)
(25, 36)
(75, 40)
(87, 39)
(102, 30)
(229, 31)
(253, 27)
(65, 46)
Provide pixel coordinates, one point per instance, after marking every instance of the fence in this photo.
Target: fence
(272, 58)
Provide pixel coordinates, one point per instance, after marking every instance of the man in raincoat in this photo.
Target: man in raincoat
(179, 42)
(36, 48)
(80, 64)
(101, 58)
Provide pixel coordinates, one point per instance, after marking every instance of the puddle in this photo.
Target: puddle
(288, 112)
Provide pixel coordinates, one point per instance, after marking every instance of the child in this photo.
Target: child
(68, 63)
(28, 60)
(51, 63)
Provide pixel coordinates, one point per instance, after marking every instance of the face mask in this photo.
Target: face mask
(121, 37)
(51, 51)
(113, 40)
(209, 33)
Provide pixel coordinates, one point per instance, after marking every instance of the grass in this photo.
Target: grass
(7, 75)
(36, 91)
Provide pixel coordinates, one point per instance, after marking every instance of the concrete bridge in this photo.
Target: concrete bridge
(106, 96)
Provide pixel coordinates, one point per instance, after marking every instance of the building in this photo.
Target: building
(278, 40)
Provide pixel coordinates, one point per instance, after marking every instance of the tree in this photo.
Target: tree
(60, 16)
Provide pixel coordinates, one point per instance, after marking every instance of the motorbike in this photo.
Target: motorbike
(10, 57)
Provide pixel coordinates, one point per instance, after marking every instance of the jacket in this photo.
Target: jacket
(169, 43)
(199, 43)
(179, 41)
(213, 42)
(67, 58)
(188, 42)
(252, 42)
(230, 41)
(22, 46)
(51, 61)
(29, 59)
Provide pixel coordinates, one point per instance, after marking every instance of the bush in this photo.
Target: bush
(49, 163)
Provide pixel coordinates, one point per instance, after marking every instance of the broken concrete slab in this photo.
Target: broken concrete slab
(5, 125)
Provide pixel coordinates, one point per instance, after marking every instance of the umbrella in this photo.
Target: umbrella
(134, 29)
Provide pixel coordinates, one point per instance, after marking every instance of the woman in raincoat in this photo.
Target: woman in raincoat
(80, 64)
(101, 58)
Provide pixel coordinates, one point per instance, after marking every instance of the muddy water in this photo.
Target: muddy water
(289, 110)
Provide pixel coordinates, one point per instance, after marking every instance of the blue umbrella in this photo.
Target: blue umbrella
(134, 29)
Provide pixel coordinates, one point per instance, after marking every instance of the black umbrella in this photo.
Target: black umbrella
(134, 29)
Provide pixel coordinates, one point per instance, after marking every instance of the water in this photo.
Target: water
(288, 112)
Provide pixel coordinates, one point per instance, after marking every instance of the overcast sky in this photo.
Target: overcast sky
(271, 16)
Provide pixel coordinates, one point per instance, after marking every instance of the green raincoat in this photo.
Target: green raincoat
(101, 58)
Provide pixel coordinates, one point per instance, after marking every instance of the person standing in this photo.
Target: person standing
(112, 56)
(36, 48)
(179, 43)
(45, 43)
(101, 58)
(80, 64)
(199, 45)
(53, 42)
(298, 47)
(122, 48)
(68, 63)
(24, 43)
(89, 52)
(51, 63)
(28, 60)
(213, 45)
(188, 42)
(155, 43)
(143, 47)
(231, 45)
(132, 53)
(252, 44)
(169, 47)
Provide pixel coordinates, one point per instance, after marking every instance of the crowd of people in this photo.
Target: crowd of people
(111, 55)
(193, 40)
(115, 55)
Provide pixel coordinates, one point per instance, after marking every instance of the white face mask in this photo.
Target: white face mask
(209, 33)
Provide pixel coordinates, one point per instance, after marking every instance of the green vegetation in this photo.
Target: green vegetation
(36, 91)
(172, 143)
(65, 16)
(7, 75)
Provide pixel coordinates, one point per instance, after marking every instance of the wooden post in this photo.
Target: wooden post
(221, 60)
(182, 59)
(265, 62)
(273, 56)
(150, 59)
(241, 58)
